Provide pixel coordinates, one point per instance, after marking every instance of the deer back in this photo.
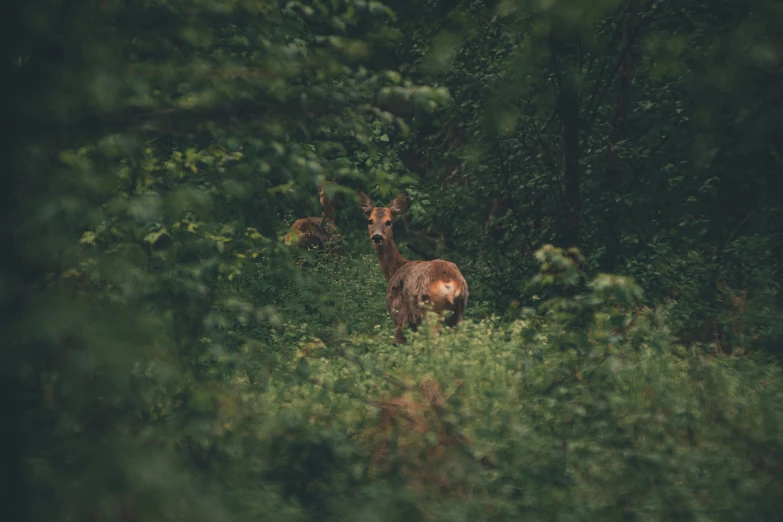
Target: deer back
(437, 283)
(309, 232)
(317, 231)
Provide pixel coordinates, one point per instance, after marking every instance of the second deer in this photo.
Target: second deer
(413, 287)
(316, 232)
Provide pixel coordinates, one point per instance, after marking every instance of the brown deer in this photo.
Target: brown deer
(316, 232)
(413, 287)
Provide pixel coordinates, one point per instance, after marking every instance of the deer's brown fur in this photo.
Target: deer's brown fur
(315, 231)
(438, 284)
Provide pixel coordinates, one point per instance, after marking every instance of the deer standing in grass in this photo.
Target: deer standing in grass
(315, 232)
(413, 287)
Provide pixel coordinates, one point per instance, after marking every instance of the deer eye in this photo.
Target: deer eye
(369, 221)
(388, 223)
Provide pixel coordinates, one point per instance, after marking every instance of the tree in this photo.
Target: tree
(599, 122)
(154, 142)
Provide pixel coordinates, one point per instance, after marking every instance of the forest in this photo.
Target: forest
(229, 225)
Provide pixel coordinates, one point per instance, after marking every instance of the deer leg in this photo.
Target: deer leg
(399, 336)
(456, 315)
(436, 328)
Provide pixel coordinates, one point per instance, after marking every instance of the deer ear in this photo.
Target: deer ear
(365, 203)
(399, 205)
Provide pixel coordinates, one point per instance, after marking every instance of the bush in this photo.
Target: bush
(584, 410)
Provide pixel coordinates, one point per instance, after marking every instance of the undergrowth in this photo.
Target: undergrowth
(584, 409)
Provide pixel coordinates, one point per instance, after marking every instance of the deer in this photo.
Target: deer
(315, 232)
(412, 287)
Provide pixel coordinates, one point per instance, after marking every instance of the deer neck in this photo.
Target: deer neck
(390, 258)
(328, 212)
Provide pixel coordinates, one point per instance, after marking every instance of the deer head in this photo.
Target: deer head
(380, 219)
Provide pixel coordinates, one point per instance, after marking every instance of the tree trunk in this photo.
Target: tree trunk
(568, 109)
(17, 273)
(565, 51)
(614, 165)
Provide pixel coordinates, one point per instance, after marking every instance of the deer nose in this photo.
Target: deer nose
(377, 238)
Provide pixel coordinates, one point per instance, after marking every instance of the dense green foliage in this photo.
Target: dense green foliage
(606, 174)
(548, 95)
